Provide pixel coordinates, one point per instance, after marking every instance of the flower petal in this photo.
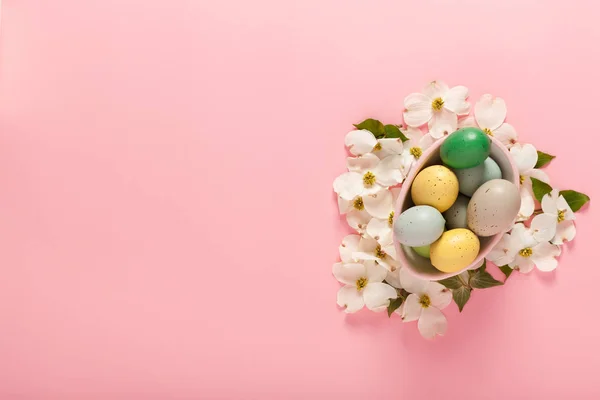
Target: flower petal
(455, 100)
(442, 123)
(523, 265)
(344, 205)
(468, 121)
(360, 142)
(348, 185)
(525, 157)
(411, 283)
(527, 205)
(362, 163)
(375, 272)
(378, 294)
(393, 278)
(387, 172)
(565, 232)
(435, 89)
(350, 298)
(379, 229)
(358, 220)
(432, 322)
(426, 141)
(543, 256)
(502, 254)
(349, 245)
(490, 112)
(506, 134)
(413, 135)
(411, 309)
(418, 109)
(539, 175)
(549, 201)
(562, 205)
(543, 227)
(520, 238)
(349, 273)
(380, 204)
(389, 147)
(439, 295)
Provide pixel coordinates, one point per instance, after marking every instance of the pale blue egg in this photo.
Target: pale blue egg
(456, 216)
(419, 226)
(470, 179)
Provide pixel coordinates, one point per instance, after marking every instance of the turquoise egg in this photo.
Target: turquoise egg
(469, 179)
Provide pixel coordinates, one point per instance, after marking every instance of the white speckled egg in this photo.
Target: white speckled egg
(419, 226)
(470, 179)
(493, 207)
(456, 216)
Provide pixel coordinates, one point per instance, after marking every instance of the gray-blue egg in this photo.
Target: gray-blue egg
(470, 179)
(419, 226)
(456, 216)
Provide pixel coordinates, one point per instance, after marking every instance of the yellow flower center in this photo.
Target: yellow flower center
(561, 216)
(361, 283)
(391, 219)
(526, 252)
(379, 253)
(425, 301)
(488, 131)
(377, 147)
(358, 203)
(521, 179)
(416, 151)
(437, 104)
(369, 179)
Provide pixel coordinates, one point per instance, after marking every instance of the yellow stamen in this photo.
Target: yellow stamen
(379, 253)
(391, 219)
(437, 104)
(526, 252)
(488, 131)
(561, 215)
(361, 283)
(369, 179)
(521, 179)
(377, 147)
(416, 151)
(359, 204)
(425, 301)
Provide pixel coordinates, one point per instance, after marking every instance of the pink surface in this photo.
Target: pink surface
(167, 218)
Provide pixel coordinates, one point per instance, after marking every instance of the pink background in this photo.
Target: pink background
(167, 223)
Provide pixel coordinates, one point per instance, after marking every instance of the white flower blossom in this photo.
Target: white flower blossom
(368, 175)
(438, 106)
(414, 148)
(424, 303)
(525, 156)
(490, 113)
(363, 285)
(362, 141)
(360, 210)
(529, 252)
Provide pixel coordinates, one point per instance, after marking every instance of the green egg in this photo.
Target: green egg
(423, 251)
(466, 148)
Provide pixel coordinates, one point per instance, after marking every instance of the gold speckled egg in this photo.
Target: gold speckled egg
(435, 186)
(454, 250)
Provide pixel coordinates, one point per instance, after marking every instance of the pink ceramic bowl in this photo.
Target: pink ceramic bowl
(421, 266)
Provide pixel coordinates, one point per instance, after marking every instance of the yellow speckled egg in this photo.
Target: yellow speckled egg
(454, 250)
(435, 186)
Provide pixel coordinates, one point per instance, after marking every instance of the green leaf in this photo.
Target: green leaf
(393, 132)
(372, 125)
(543, 159)
(506, 270)
(482, 280)
(452, 283)
(394, 305)
(461, 296)
(575, 199)
(540, 189)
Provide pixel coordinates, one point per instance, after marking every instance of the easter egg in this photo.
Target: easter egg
(419, 226)
(435, 186)
(423, 251)
(454, 250)
(456, 216)
(469, 179)
(465, 148)
(493, 207)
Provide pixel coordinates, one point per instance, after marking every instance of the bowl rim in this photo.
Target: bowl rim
(405, 190)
